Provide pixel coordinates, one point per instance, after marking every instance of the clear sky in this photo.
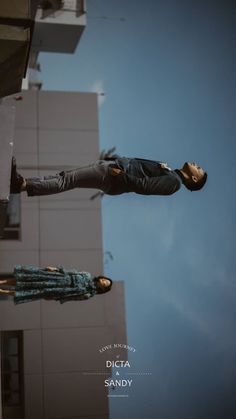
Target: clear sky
(168, 71)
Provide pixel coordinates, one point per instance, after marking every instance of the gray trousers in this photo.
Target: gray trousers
(95, 176)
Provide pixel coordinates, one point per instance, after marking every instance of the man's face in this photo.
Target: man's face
(194, 171)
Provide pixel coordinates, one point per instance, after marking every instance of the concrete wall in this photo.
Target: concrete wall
(58, 30)
(61, 342)
(56, 131)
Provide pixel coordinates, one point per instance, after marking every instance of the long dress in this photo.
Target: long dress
(33, 283)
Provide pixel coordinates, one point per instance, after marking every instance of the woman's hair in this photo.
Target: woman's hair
(103, 290)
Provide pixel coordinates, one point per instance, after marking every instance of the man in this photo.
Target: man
(115, 175)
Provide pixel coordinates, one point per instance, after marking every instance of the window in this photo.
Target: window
(12, 374)
(12, 224)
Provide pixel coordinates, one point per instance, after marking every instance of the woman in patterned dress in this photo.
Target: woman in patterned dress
(53, 283)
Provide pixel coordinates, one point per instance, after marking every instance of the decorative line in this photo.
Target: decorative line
(137, 373)
(96, 373)
(117, 395)
(109, 373)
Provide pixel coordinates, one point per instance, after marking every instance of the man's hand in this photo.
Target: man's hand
(115, 171)
(51, 269)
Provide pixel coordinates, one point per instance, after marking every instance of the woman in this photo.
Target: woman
(32, 283)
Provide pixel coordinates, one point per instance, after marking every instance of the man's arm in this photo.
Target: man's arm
(159, 185)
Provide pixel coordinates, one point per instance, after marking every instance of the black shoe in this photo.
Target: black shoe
(16, 179)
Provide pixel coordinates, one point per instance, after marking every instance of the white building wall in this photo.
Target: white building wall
(56, 131)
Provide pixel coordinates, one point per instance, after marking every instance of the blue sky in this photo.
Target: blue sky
(168, 72)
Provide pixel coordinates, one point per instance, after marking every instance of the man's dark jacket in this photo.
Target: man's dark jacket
(146, 177)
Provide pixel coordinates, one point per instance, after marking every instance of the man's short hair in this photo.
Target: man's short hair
(196, 186)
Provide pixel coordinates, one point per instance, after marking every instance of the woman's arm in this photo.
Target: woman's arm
(51, 269)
